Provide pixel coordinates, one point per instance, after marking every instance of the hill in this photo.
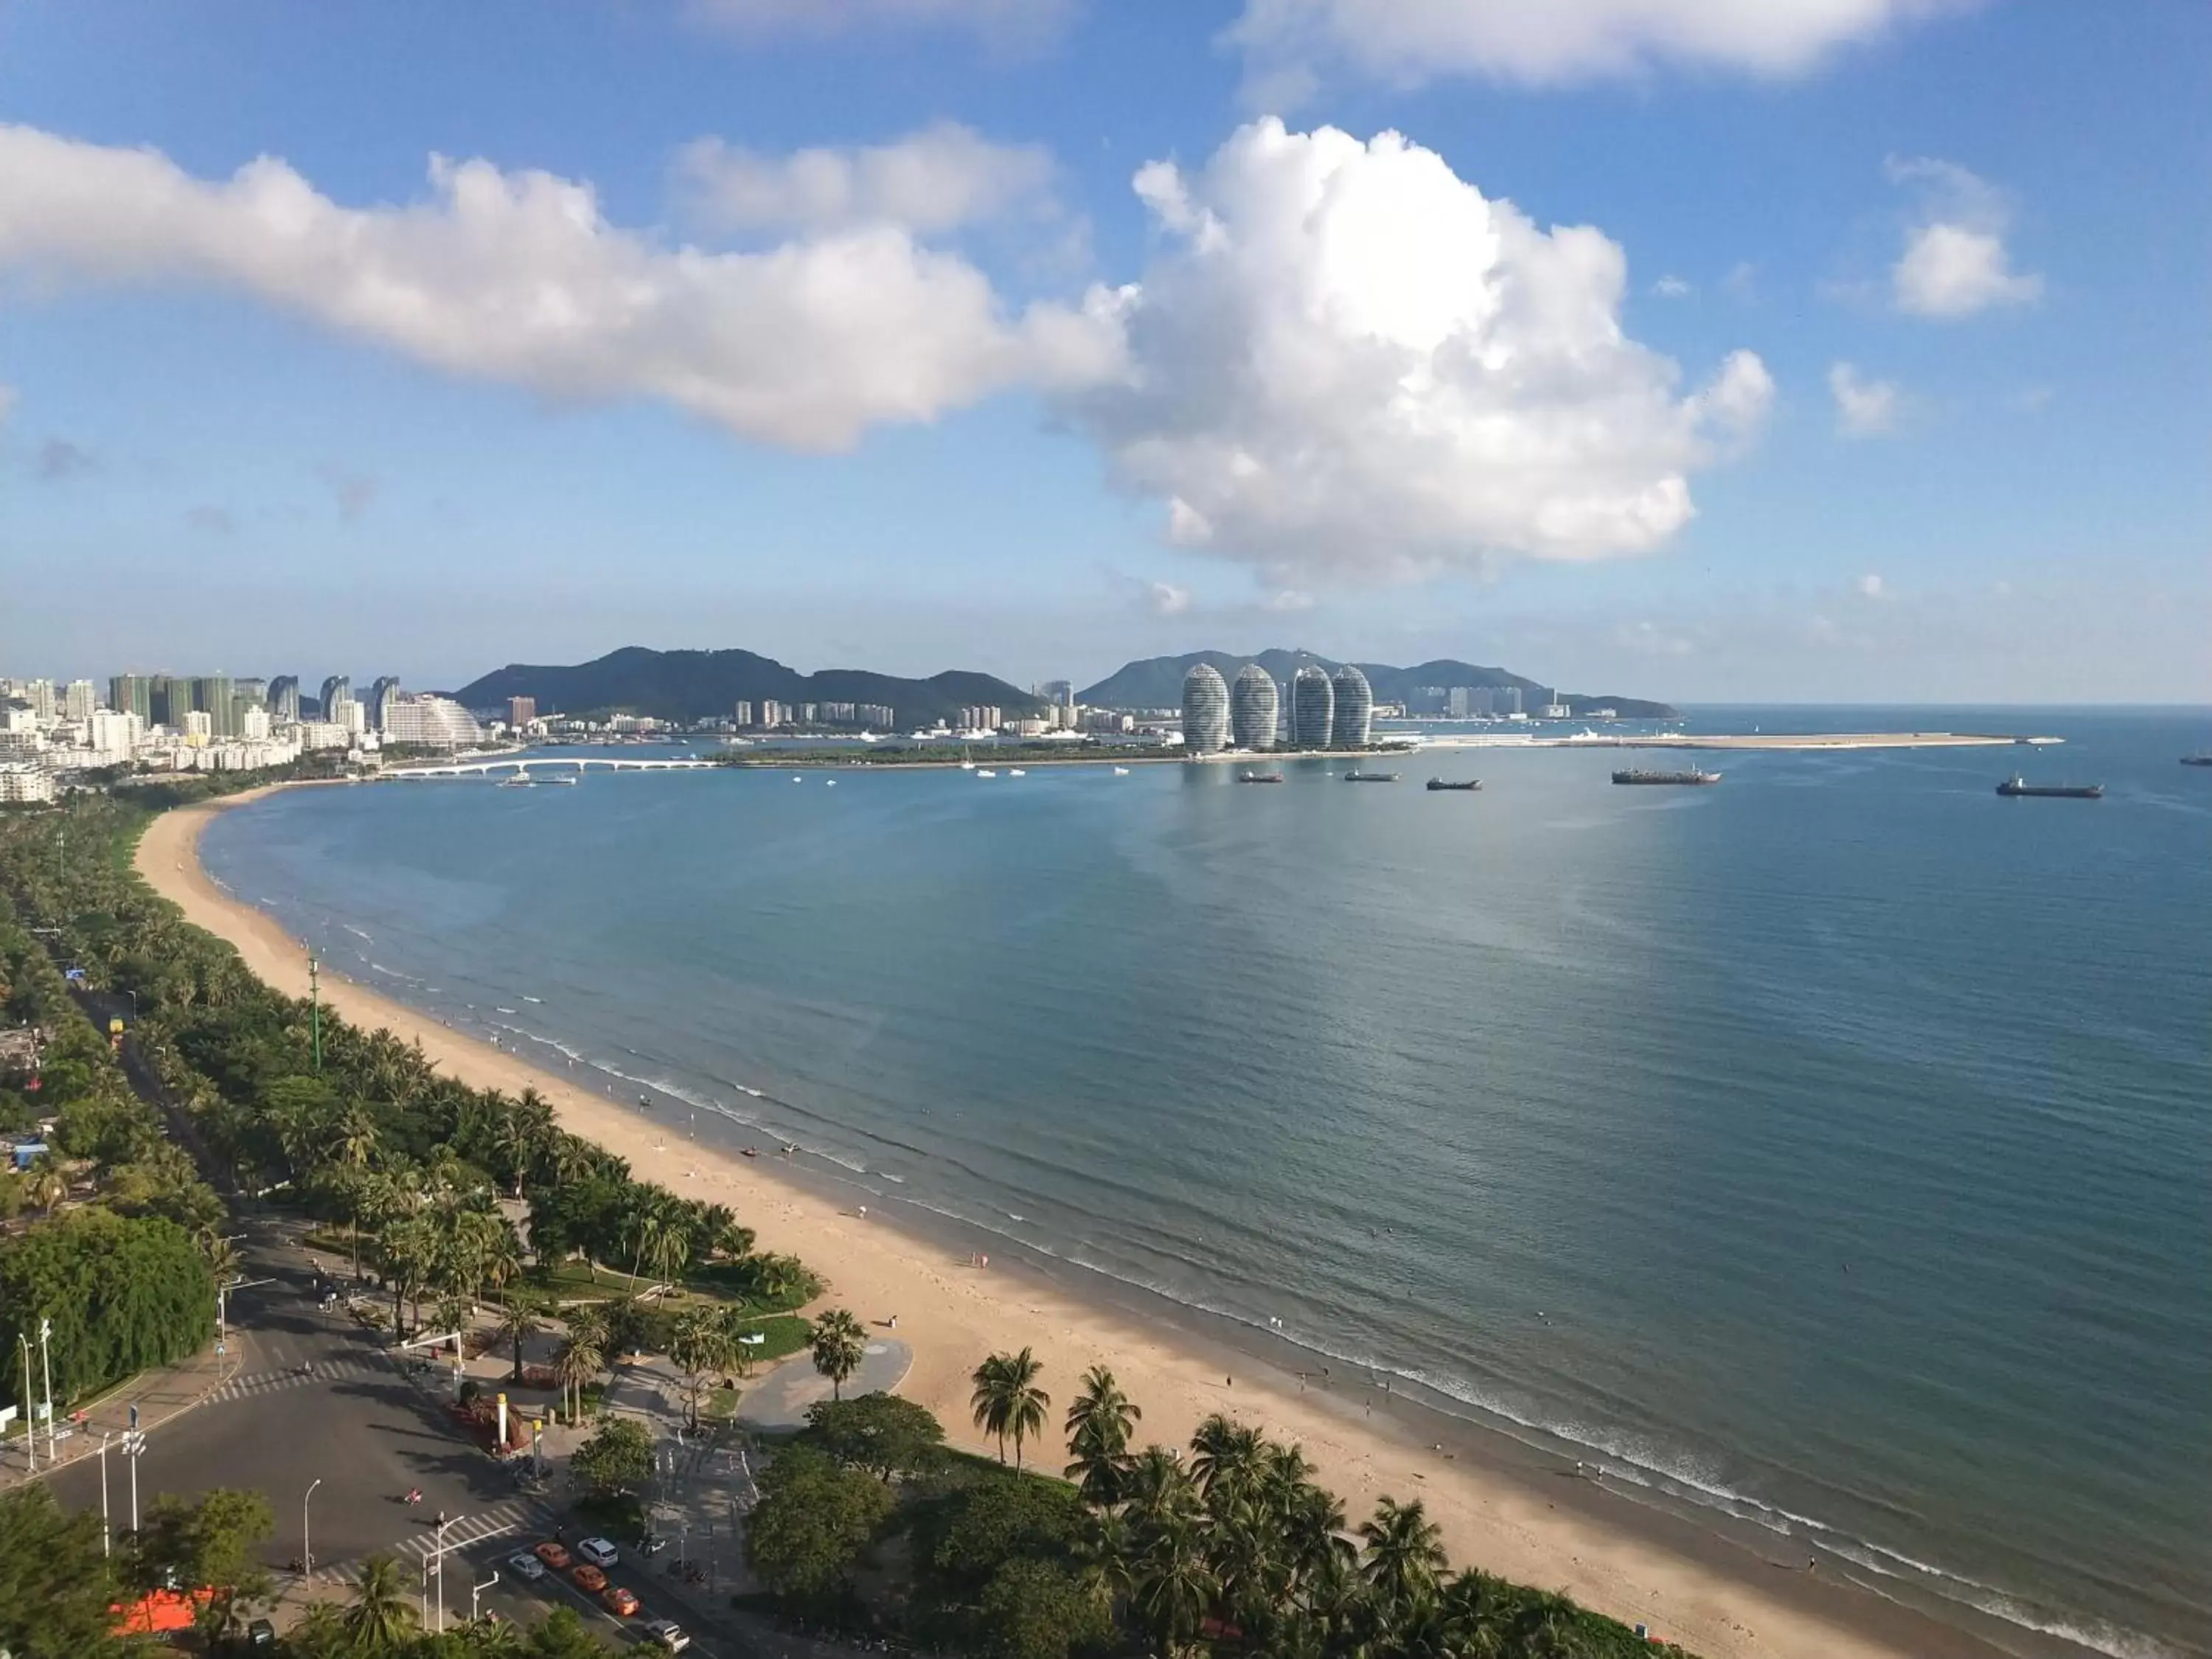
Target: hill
(1157, 682)
(687, 685)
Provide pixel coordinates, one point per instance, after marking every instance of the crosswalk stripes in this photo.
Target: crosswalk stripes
(291, 1376)
(512, 1525)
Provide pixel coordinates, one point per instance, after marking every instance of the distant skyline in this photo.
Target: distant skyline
(1817, 354)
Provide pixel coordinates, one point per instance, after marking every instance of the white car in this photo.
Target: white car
(526, 1565)
(669, 1634)
(597, 1551)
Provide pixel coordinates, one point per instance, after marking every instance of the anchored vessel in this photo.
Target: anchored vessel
(2201, 759)
(1370, 777)
(1259, 777)
(1637, 774)
(1440, 783)
(2017, 784)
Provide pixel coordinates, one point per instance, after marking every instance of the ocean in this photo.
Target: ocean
(1828, 1153)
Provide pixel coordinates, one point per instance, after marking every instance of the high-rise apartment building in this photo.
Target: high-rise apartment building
(132, 694)
(79, 701)
(382, 694)
(334, 688)
(212, 695)
(198, 728)
(1313, 706)
(742, 715)
(520, 711)
(1351, 719)
(1254, 705)
(283, 700)
(1205, 710)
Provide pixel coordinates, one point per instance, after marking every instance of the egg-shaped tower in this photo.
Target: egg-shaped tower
(1205, 710)
(1312, 704)
(1355, 710)
(1253, 706)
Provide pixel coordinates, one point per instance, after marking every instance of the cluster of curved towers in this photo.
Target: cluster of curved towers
(1326, 711)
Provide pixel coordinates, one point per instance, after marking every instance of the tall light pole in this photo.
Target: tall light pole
(104, 1548)
(315, 1009)
(134, 1442)
(476, 1591)
(307, 1548)
(30, 1410)
(46, 1366)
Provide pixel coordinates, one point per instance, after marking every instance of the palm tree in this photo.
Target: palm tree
(406, 1249)
(1008, 1400)
(1174, 1585)
(500, 1261)
(381, 1616)
(669, 1253)
(1404, 1552)
(219, 1255)
(519, 1321)
(838, 1342)
(1224, 1453)
(701, 1348)
(1098, 1426)
(355, 1136)
(578, 1359)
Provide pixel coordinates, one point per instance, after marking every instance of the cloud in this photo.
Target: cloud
(931, 181)
(1954, 262)
(352, 491)
(1345, 362)
(1005, 25)
(1864, 408)
(1672, 287)
(1166, 599)
(59, 459)
(1872, 587)
(1288, 43)
(517, 278)
(215, 521)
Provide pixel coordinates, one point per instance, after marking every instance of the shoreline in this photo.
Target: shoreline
(1503, 1505)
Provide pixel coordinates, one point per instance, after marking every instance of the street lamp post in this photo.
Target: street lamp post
(46, 1366)
(476, 1590)
(104, 1548)
(306, 1546)
(134, 1442)
(30, 1410)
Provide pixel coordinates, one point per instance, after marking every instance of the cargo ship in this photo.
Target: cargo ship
(2016, 785)
(2199, 759)
(1259, 777)
(1370, 777)
(1441, 783)
(1637, 775)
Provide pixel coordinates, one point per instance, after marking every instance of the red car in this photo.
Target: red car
(589, 1579)
(554, 1555)
(619, 1600)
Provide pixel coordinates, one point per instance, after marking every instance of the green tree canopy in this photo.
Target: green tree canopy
(56, 1586)
(814, 1519)
(617, 1457)
(880, 1432)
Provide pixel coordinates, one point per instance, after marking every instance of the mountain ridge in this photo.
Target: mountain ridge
(1157, 682)
(689, 685)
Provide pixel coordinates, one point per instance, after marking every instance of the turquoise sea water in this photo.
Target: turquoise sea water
(1830, 1151)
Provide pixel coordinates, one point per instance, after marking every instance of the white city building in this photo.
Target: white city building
(20, 780)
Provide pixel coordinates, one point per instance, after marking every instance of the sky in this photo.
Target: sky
(1712, 351)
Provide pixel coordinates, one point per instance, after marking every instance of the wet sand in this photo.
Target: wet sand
(1501, 1506)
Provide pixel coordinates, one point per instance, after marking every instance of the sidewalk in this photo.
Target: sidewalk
(160, 1396)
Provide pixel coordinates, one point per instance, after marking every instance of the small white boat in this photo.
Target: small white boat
(985, 772)
(829, 782)
(1016, 772)
(795, 778)
(1120, 771)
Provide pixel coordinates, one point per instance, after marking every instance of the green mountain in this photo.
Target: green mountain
(1157, 682)
(687, 685)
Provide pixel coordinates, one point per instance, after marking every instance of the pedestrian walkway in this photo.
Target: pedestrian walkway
(777, 1403)
(514, 1525)
(293, 1377)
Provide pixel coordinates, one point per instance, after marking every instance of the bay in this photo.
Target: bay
(1827, 1151)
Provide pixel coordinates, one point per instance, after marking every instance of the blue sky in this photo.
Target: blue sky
(1879, 374)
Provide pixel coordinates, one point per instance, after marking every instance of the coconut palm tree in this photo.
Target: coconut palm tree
(1403, 1553)
(580, 1358)
(670, 1252)
(1224, 1453)
(702, 1347)
(519, 1321)
(1008, 1400)
(1174, 1586)
(355, 1136)
(1098, 1426)
(838, 1342)
(382, 1616)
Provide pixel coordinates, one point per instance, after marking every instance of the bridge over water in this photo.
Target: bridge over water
(521, 766)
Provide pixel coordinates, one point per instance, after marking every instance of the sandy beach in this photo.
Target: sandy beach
(1539, 1527)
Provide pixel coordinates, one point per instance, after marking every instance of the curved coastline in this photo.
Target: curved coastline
(1504, 1506)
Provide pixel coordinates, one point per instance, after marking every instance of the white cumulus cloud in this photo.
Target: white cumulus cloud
(1345, 362)
(1290, 43)
(1864, 408)
(1956, 263)
(931, 181)
(517, 277)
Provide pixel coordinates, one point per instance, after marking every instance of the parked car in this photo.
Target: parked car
(527, 1566)
(668, 1634)
(587, 1578)
(553, 1555)
(600, 1552)
(619, 1600)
